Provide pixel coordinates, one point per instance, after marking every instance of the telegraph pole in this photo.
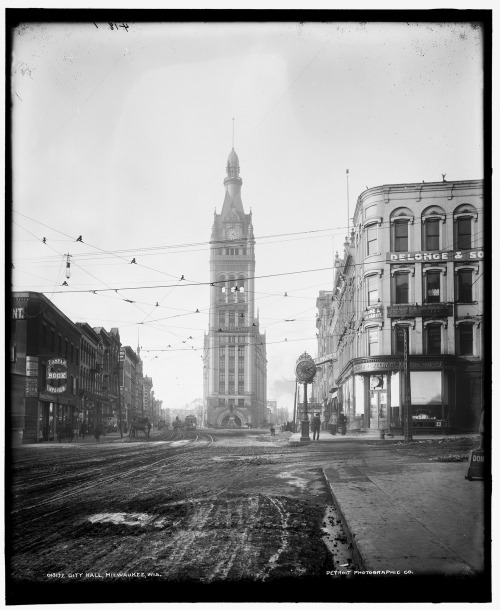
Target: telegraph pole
(295, 407)
(408, 432)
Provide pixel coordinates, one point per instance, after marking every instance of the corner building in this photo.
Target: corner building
(414, 259)
(235, 363)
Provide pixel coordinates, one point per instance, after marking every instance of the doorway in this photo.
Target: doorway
(378, 401)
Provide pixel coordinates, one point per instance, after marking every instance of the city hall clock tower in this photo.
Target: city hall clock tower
(235, 364)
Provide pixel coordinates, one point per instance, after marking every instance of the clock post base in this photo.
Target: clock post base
(304, 434)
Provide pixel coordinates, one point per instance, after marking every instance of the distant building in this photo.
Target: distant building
(147, 398)
(235, 362)
(130, 383)
(324, 387)
(413, 260)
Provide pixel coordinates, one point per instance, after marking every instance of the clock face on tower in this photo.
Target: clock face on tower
(233, 232)
(305, 370)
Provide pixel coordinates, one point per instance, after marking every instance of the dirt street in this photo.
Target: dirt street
(184, 512)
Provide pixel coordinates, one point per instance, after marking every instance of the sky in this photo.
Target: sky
(121, 135)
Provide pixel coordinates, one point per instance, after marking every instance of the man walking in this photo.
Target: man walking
(316, 426)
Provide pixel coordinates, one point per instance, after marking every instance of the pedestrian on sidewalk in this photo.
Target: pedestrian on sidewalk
(273, 431)
(342, 423)
(316, 426)
(83, 429)
(97, 432)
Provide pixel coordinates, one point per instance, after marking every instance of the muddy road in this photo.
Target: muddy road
(180, 513)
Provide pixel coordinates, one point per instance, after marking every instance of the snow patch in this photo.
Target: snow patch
(293, 480)
(140, 519)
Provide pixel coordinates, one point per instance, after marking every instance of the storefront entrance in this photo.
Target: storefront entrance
(378, 401)
(46, 422)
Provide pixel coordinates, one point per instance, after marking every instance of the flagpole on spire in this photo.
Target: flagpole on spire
(347, 179)
(233, 132)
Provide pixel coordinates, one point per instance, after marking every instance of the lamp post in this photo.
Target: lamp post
(305, 370)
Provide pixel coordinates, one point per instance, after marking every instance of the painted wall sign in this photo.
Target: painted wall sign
(326, 358)
(429, 310)
(31, 387)
(32, 366)
(373, 312)
(395, 365)
(57, 370)
(448, 255)
(18, 313)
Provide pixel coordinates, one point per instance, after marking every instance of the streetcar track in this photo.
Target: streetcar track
(99, 481)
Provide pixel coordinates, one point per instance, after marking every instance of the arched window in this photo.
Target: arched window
(463, 219)
(400, 220)
(432, 219)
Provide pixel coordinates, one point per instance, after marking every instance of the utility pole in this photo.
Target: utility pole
(295, 407)
(408, 432)
(119, 400)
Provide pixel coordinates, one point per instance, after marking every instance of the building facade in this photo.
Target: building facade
(44, 366)
(235, 362)
(112, 414)
(130, 384)
(324, 387)
(413, 260)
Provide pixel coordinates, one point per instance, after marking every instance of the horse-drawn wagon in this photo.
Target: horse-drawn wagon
(140, 425)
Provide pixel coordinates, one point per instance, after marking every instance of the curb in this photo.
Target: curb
(356, 554)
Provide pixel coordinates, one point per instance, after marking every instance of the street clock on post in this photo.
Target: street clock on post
(305, 369)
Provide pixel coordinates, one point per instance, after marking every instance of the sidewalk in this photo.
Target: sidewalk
(426, 518)
(110, 437)
(326, 437)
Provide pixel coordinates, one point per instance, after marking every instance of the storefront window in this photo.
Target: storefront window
(426, 388)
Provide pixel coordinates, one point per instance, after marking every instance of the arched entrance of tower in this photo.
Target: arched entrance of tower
(238, 419)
